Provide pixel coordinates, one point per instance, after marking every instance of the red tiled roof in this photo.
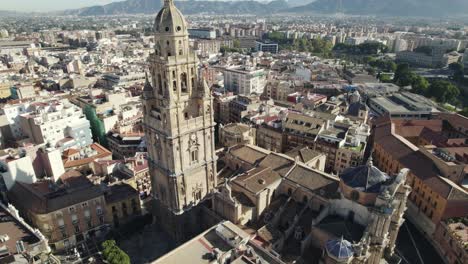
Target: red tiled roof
(101, 153)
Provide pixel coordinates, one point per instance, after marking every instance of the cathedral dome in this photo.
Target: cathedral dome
(366, 178)
(170, 20)
(340, 249)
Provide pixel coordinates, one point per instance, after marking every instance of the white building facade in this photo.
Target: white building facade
(244, 80)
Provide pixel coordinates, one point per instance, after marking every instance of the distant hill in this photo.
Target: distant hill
(7, 13)
(294, 3)
(187, 7)
(427, 8)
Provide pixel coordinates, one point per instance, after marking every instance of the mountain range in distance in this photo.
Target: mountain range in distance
(403, 8)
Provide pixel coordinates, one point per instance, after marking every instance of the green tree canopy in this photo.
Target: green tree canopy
(383, 65)
(113, 254)
(458, 71)
(443, 91)
(371, 48)
(420, 85)
(403, 75)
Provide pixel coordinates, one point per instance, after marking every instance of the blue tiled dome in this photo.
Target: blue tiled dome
(340, 248)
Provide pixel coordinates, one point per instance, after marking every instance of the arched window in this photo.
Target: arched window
(181, 52)
(193, 82)
(169, 54)
(183, 82)
(174, 86)
(160, 87)
(194, 156)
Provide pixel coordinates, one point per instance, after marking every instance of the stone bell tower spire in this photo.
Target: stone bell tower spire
(178, 118)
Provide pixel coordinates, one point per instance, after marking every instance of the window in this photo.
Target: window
(84, 205)
(134, 206)
(71, 209)
(77, 229)
(194, 155)
(183, 82)
(101, 219)
(99, 211)
(63, 233)
(89, 224)
(61, 223)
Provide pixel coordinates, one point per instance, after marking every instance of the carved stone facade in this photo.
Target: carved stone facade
(178, 118)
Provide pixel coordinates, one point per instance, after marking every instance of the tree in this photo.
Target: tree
(384, 65)
(443, 91)
(464, 112)
(236, 44)
(403, 75)
(420, 85)
(113, 254)
(457, 71)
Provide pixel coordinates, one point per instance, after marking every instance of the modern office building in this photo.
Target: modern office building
(266, 47)
(203, 33)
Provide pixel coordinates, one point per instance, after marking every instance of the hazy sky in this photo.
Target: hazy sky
(54, 5)
(49, 5)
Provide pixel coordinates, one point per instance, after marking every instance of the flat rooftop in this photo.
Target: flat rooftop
(201, 249)
(16, 231)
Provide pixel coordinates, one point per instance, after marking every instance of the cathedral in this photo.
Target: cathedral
(179, 125)
(292, 210)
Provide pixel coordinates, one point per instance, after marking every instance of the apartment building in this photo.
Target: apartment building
(58, 124)
(434, 151)
(66, 213)
(244, 80)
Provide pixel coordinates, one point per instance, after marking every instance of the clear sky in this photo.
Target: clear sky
(49, 5)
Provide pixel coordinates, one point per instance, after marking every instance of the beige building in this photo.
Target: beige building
(309, 157)
(271, 138)
(5, 91)
(122, 204)
(179, 124)
(278, 90)
(67, 214)
(303, 214)
(236, 133)
(221, 108)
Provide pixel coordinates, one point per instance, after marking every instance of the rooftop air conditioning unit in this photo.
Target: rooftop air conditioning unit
(4, 238)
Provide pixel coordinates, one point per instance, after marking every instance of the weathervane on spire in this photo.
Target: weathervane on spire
(168, 2)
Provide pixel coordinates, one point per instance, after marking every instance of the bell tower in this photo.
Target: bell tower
(178, 118)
